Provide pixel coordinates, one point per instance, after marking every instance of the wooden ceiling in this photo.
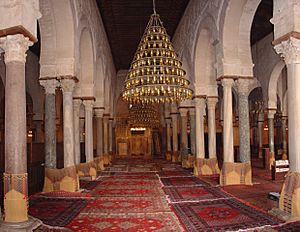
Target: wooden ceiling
(126, 20)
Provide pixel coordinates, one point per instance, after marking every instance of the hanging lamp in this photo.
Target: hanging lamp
(142, 115)
(156, 74)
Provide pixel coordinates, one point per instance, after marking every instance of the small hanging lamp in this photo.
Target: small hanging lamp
(156, 74)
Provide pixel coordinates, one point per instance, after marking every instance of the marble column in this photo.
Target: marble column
(76, 109)
(290, 51)
(88, 107)
(105, 134)
(193, 130)
(81, 129)
(15, 176)
(200, 112)
(68, 85)
(50, 124)
(271, 113)
(244, 123)
(169, 147)
(110, 135)
(99, 117)
(227, 120)
(284, 142)
(211, 108)
(260, 132)
(174, 136)
(183, 135)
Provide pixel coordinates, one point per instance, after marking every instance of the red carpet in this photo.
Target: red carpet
(182, 181)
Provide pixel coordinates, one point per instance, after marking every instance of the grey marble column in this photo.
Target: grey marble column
(50, 124)
(88, 107)
(99, 117)
(211, 108)
(110, 135)
(105, 134)
(271, 113)
(174, 131)
(68, 85)
(168, 123)
(193, 130)
(227, 120)
(244, 123)
(15, 47)
(76, 108)
(260, 128)
(200, 112)
(183, 130)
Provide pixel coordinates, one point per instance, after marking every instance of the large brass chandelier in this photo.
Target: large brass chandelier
(143, 116)
(156, 74)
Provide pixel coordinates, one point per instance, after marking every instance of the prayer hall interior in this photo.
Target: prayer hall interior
(149, 115)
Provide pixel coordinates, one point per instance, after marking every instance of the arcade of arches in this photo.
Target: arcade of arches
(63, 118)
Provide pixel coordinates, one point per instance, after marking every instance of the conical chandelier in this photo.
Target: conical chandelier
(156, 74)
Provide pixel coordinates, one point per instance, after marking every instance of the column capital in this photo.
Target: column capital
(183, 112)
(15, 47)
(227, 82)
(192, 111)
(67, 85)
(168, 120)
(211, 102)
(76, 104)
(271, 113)
(243, 85)
(99, 112)
(200, 103)
(49, 85)
(289, 50)
(88, 104)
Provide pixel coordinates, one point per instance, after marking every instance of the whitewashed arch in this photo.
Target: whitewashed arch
(272, 89)
(238, 19)
(57, 39)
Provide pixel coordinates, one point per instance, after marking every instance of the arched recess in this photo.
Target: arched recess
(107, 89)
(85, 86)
(238, 19)
(272, 89)
(99, 83)
(57, 38)
(205, 72)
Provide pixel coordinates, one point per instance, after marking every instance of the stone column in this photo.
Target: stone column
(211, 107)
(15, 176)
(175, 154)
(76, 109)
(99, 117)
(284, 143)
(200, 112)
(271, 113)
(227, 120)
(169, 147)
(81, 129)
(260, 130)
(50, 124)
(110, 135)
(88, 106)
(193, 130)
(68, 85)
(105, 133)
(244, 127)
(184, 135)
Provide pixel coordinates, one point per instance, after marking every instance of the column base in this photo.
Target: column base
(206, 167)
(289, 201)
(176, 157)
(188, 161)
(87, 169)
(236, 174)
(99, 163)
(29, 225)
(168, 155)
(65, 179)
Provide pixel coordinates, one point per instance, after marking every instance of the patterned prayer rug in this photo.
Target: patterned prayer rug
(174, 173)
(132, 177)
(125, 182)
(128, 192)
(196, 193)
(159, 222)
(221, 215)
(88, 184)
(113, 205)
(63, 194)
(55, 211)
(182, 181)
(142, 169)
(288, 227)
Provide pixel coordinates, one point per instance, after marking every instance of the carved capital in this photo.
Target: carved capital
(183, 112)
(200, 103)
(88, 105)
(67, 85)
(211, 103)
(49, 85)
(99, 112)
(227, 82)
(76, 105)
(15, 47)
(243, 86)
(289, 50)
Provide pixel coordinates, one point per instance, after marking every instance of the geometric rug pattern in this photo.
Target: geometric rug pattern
(182, 181)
